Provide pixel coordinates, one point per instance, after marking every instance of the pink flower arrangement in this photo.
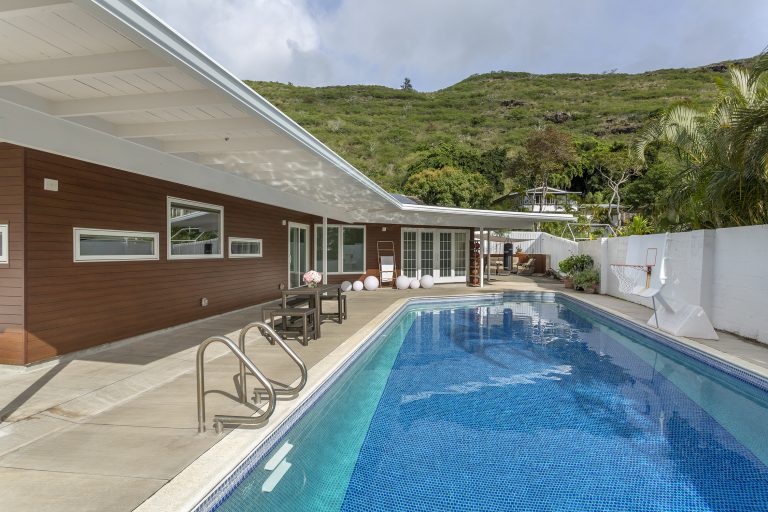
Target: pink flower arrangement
(312, 278)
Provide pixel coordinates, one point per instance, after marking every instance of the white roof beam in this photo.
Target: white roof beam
(139, 130)
(136, 102)
(268, 143)
(18, 73)
(15, 8)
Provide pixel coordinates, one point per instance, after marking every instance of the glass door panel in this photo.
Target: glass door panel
(460, 254)
(409, 253)
(298, 254)
(445, 256)
(427, 253)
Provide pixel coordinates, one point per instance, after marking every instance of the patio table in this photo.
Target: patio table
(313, 294)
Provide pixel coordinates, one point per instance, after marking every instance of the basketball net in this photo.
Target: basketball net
(630, 276)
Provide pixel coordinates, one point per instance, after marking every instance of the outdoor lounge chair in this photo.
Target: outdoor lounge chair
(526, 269)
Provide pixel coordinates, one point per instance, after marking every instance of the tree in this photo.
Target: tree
(724, 177)
(639, 226)
(614, 163)
(407, 86)
(490, 164)
(547, 158)
(449, 186)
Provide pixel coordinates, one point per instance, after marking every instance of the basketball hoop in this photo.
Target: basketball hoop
(630, 276)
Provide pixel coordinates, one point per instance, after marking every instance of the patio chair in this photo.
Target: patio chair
(341, 306)
(295, 322)
(526, 269)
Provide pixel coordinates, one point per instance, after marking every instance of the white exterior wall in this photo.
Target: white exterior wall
(723, 270)
(558, 248)
(740, 281)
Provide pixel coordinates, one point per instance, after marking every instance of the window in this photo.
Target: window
(114, 245)
(3, 243)
(244, 247)
(333, 249)
(195, 230)
(346, 249)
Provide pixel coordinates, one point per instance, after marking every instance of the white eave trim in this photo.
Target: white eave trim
(534, 217)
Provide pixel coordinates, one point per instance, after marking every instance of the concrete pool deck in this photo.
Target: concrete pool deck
(108, 429)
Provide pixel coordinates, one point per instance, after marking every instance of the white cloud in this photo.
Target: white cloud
(439, 42)
(258, 39)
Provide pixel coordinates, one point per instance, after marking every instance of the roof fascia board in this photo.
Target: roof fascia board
(27, 127)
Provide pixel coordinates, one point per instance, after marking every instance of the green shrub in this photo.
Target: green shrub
(586, 279)
(576, 263)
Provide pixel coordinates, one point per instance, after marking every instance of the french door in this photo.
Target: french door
(440, 253)
(298, 253)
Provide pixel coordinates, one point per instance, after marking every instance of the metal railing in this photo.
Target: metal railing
(273, 338)
(220, 420)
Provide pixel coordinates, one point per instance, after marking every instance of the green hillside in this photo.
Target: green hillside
(379, 129)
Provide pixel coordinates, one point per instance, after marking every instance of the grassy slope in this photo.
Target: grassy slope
(377, 128)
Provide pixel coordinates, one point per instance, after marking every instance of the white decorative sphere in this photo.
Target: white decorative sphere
(371, 283)
(346, 286)
(402, 282)
(357, 286)
(427, 282)
(414, 283)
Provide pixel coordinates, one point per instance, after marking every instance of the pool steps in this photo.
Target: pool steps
(279, 466)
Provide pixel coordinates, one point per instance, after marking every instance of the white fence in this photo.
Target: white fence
(722, 270)
(536, 242)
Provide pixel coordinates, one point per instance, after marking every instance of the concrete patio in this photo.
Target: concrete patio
(106, 429)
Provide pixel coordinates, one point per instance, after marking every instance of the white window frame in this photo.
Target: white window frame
(180, 202)
(77, 257)
(4, 258)
(319, 264)
(247, 240)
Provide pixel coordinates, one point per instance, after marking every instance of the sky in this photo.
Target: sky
(437, 43)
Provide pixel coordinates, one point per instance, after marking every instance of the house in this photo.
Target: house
(544, 199)
(143, 186)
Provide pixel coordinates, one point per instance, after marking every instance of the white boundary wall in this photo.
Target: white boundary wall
(537, 242)
(725, 271)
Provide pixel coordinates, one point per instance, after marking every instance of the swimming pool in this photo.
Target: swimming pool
(520, 403)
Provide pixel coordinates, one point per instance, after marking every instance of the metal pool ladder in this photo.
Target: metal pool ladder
(246, 363)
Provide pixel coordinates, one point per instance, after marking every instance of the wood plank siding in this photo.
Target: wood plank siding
(72, 306)
(12, 336)
(51, 305)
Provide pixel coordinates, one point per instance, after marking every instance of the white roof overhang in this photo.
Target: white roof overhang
(107, 82)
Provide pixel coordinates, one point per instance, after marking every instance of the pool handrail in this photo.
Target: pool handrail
(220, 420)
(273, 338)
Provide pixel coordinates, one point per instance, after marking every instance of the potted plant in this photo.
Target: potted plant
(586, 280)
(566, 267)
(574, 264)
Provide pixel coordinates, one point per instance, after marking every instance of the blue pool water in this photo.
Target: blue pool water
(524, 406)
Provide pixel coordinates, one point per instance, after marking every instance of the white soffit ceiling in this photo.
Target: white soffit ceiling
(108, 68)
